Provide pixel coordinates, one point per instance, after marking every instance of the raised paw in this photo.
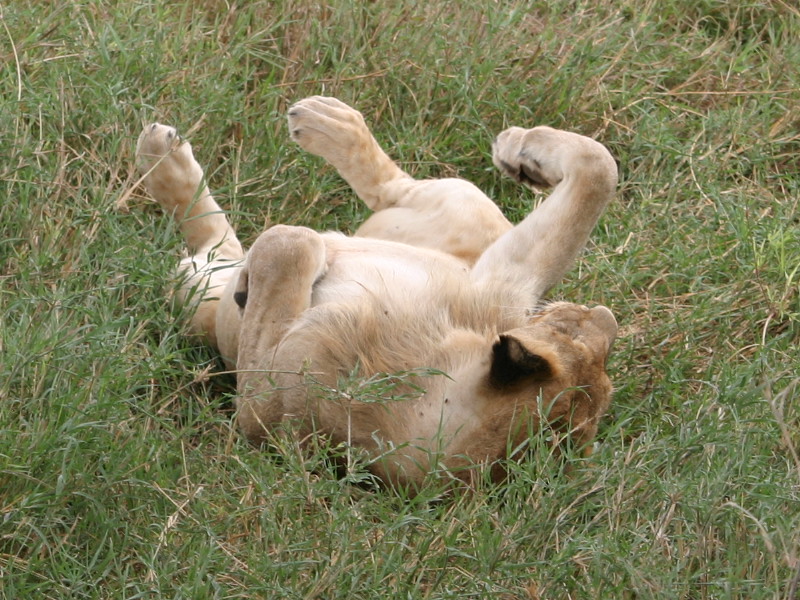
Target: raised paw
(155, 142)
(543, 156)
(329, 128)
(171, 174)
(526, 155)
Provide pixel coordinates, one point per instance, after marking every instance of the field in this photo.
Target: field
(121, 474)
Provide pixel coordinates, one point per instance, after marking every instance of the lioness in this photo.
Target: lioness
(436, 285)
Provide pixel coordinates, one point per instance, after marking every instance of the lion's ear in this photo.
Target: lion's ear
(513, 361)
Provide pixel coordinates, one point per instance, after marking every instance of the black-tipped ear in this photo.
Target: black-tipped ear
(512, 362)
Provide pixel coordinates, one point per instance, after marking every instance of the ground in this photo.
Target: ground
(121, 474)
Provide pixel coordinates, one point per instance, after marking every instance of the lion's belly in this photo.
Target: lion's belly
(359, 267)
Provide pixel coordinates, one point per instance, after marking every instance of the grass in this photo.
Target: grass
(120, 473)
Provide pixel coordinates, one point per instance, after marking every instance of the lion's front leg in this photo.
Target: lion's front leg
(273, 289)
(333, 130)
(450, 215)
(535, 254)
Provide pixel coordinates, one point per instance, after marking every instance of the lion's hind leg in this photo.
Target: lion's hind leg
(176, 181)
(272, 290)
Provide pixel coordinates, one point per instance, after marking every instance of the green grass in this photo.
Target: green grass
(121, 475)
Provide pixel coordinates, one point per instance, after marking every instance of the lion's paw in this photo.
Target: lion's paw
(167, 164)
(155, 143)
(328, 128)
(528, 155)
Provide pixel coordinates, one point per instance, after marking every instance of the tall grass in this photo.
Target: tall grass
(121, 475)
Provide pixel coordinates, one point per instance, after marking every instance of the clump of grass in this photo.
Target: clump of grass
(120, 473)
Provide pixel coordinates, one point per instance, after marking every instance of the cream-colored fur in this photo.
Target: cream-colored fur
(436, 285)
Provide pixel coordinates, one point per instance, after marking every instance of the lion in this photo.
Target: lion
(437, 295)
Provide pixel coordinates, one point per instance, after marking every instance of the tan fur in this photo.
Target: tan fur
(434, 295)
